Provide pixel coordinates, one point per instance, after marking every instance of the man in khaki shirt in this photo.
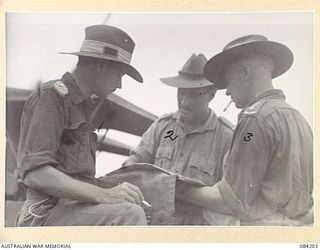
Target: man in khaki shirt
(191, 141)
(268, 175)
(56, 153)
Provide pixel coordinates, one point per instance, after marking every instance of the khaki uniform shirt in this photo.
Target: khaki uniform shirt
(197, 154)
(269, 171)
(56, 131)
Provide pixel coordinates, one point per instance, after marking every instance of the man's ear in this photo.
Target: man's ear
(247, 75)
(99, 67)
(91, 68)
(212, 94)
(247, 72)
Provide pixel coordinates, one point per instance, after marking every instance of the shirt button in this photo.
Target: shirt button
(250, 185)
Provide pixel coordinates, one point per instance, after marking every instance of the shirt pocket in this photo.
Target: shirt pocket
(75, 151)
(163, 157)
(201, 168)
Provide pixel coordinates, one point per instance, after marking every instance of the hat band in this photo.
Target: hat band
(107, 49)
(195, 74)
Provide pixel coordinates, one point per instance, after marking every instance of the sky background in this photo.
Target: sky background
(164, 42)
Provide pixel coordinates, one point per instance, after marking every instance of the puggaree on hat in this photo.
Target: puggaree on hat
(110, 43)
(251, 44)
(191, 75)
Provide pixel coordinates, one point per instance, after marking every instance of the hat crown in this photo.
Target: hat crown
(111, 35)
(245, 40)
(194, 66)
(281, 55)
(109, 43)
(191, 75)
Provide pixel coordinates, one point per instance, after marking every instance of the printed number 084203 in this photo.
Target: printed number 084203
(308, 245)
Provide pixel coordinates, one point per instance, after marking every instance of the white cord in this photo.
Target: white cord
(34, 204)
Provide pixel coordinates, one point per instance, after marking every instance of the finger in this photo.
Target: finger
(112, 200)
(128, 197)
(134, 194)
(119, 194)
(133, 191)
(121, 191)
(136, 189)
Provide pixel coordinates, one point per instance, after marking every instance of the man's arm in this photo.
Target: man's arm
(37, 161)
(53, 182)
(207, 197)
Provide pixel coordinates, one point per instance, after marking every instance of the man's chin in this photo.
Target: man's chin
(185, 115)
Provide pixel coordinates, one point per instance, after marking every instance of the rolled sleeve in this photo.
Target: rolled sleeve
(41, 129)
(145, 151)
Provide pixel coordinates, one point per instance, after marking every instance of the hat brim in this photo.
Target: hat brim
(281, 55)
(130, 70)
(187, 82)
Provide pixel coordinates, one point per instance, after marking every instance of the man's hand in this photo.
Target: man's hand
(53, 182)
(124, 192)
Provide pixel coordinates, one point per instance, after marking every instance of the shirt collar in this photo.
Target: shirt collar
(268, 94)
(209, 124)
(75, 92)
(271, 93)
